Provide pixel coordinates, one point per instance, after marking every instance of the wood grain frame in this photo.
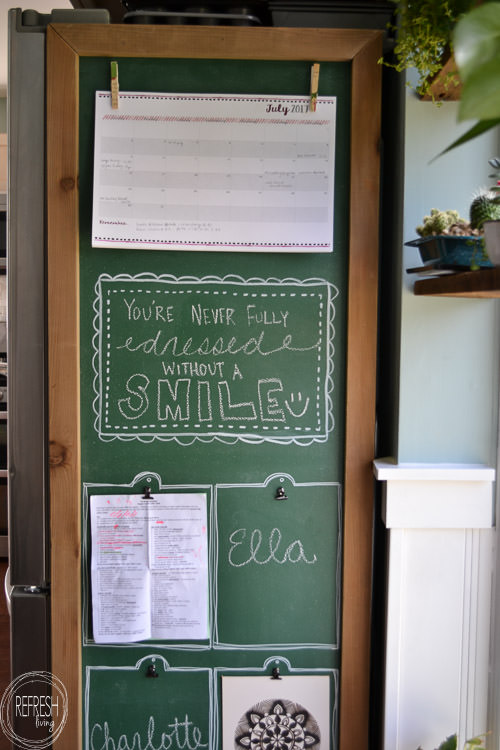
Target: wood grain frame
(66, 43)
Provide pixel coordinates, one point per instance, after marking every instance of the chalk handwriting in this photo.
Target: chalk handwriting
(178, 399)
(193, 369)
(152, 311)
(182, 358)
(266, 317)
(160, 347)
(245, 549)
(182, 735)
(212, 315)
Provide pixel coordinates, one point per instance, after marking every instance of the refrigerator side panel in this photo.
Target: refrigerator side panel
(30, 621)
(28, 509)
(30, 613)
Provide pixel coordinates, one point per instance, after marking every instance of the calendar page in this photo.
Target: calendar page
(214, 172)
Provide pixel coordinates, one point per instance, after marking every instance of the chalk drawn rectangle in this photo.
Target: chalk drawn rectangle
(125, 708)
(213, 359)
(137, 485)
(218, 172)
(277, 564)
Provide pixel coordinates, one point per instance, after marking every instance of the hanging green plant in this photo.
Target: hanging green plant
(423, 33)
(451, 743)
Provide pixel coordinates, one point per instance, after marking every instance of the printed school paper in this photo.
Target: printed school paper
(149, 567)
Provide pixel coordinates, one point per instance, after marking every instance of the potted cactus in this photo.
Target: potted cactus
(448, 241)
(491, 222)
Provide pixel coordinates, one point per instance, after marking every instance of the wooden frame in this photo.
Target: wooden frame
(65, 45)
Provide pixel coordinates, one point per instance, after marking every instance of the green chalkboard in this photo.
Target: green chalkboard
(275, 561)
(273, 424)
(164, 706)
(222, 371)
(244, 377)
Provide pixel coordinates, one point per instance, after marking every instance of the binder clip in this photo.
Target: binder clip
(275, 674)
(151, 671)
(147, 493)
(280, 494)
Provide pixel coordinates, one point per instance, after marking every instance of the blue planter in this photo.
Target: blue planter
(447, 250)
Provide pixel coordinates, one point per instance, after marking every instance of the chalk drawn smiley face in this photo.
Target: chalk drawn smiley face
(277, 724)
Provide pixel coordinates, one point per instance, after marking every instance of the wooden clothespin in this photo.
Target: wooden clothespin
(314, 87)
(114, 85)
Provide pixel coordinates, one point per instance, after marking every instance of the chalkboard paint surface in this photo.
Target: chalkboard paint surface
(275, 557)
(255, 385)
(168, 710)
(78, 59)
(275, 562)
(153, 704)
(219, 358)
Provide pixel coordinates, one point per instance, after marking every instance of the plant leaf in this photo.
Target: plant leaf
(476, 38)
(450, 743)
(480, 97)
(478, 129)
(476, 741)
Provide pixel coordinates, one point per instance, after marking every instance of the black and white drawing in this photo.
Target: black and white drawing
(277, 724)
(296, 712)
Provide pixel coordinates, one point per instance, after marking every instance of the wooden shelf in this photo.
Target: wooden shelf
(446, 85)
(484, 283)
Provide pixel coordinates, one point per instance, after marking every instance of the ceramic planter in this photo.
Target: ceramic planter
(462, 252)
(492, 241)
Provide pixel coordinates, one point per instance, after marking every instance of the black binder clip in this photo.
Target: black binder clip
(147, 493)
(275, 674)
(280, 494)
(151, 671)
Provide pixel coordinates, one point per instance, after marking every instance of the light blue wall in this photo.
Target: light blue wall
(449, 358)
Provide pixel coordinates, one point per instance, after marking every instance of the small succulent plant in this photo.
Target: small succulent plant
(484, 207)
(443, 222)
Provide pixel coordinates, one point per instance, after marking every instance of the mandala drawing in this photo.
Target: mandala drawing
(277, 724)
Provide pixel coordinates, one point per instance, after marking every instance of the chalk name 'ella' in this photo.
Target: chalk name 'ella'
(183, 735)
(250, 545)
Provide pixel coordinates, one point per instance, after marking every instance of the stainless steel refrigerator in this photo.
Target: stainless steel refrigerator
(28, 449)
